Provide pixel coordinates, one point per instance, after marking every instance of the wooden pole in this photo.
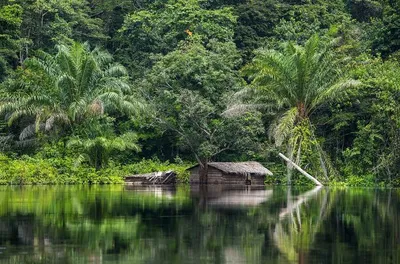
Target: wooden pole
(300, 170)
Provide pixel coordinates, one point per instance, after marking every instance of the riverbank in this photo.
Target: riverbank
(29, 171)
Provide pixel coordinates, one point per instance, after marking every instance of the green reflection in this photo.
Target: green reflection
(208, 224)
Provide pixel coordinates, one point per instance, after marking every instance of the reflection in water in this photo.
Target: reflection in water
(242, 199)
(198, 224)
(295, 235)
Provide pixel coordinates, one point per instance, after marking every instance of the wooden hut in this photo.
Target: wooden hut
(250, 173)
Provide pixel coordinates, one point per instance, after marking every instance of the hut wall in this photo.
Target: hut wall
(234, 178)
(136, 180)
(257, 179)
(214, 175)
(241, 179)
(195, 175)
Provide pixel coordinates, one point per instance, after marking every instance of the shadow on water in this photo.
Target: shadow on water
(198, 224)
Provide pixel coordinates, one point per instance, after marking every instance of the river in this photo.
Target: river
(198, 224)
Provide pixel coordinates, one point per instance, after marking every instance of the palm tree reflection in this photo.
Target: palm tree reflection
(300, 221)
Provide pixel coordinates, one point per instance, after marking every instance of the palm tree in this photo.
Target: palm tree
(81, 83)
(97, 150)
(296, 83)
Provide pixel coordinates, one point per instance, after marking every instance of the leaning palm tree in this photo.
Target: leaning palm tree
(78, 83)
(295, 83)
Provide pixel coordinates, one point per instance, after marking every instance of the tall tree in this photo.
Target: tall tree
(49, 22)
(97, 141)
(296, 82)
(386, 30)
(76, 83)
(189, 88)
(159, 30)
(10, 23)
(256, 22)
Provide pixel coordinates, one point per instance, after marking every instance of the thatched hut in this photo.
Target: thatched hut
(250, 173)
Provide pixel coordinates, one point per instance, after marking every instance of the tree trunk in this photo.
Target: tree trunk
(301, 108)
(300, 170)
(303, 256)
(203, 172)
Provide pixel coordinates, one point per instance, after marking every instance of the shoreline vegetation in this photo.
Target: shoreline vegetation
(36, 171)
(92, 91)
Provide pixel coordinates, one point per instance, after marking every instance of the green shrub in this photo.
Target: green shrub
(395, 182)
(28, 170)
(148, 166)
(365, 181)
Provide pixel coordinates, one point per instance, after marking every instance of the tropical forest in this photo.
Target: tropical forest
(94, 90)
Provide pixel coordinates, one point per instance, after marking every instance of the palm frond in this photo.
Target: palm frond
(29, 131)
(29, 111)
(74, 142)
(240, 109)
(281, 129)
(67, 83)
(26, 143)
(68, 59)
(334, 91)
(54, 118)
(85, 75)
(115, 70)
(80, 159)
(6, 142)
(79, 83)
(77, 108)
(130, 140)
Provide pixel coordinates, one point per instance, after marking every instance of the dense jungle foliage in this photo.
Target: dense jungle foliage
(91, 90)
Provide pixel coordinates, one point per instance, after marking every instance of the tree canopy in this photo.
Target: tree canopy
(115, 82)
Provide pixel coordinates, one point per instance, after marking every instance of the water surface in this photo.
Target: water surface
(207, 224)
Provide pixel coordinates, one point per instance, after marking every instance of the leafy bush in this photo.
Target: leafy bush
(366, 181)
(395, 182)
(147, 166)
(27, 170)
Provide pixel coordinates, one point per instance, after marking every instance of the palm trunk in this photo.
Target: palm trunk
(301, 108)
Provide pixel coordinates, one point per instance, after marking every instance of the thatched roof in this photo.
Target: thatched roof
(240, 167)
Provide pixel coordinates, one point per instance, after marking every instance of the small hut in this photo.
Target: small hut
(250, 173)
